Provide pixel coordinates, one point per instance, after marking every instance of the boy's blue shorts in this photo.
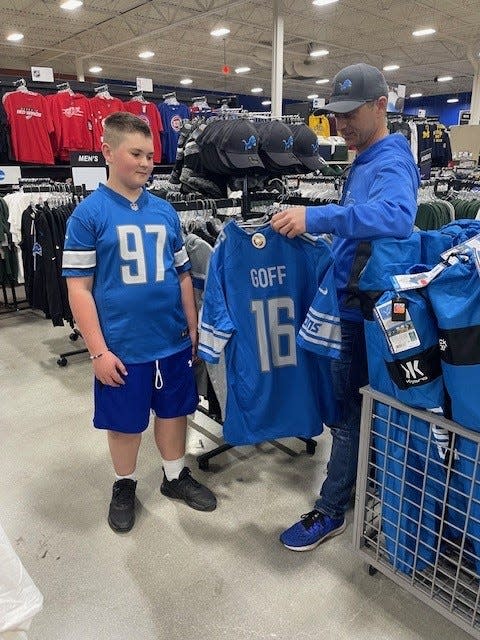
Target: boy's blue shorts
(167, 386)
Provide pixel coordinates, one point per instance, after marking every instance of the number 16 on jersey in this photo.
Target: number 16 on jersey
(275, 339)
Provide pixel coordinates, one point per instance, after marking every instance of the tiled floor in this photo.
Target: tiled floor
(179, 574)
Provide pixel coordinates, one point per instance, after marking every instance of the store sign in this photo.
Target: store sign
(425, 164)
(464, 116)
(318, 103)
(145, 84)
(42, 74)
(422, 113)
(88, 168)
(9, 175)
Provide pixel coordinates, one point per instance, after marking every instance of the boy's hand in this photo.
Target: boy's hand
(194, 339)
(290, 222)
(109, 369)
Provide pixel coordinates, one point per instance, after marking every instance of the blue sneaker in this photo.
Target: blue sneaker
(311, 530)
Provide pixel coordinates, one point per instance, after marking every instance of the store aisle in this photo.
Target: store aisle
(179, 574)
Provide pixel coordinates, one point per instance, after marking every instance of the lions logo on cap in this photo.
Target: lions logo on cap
(345, 86)
(250, 144)
(259, 240)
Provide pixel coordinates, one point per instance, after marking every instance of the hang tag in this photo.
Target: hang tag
(399, 310)
(400, 335)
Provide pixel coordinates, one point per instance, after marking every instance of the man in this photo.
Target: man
(379, 200)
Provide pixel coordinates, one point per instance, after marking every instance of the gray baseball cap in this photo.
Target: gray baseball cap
(355, 85)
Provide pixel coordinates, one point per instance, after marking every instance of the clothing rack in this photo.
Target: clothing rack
(203, 459)
(62, 357)
(102, 87)
(13, 305)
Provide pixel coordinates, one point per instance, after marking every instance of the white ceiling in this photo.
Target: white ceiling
(112, 34)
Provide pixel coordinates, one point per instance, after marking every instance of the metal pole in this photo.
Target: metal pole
(277, 58)
(79, 70)
(475, 104)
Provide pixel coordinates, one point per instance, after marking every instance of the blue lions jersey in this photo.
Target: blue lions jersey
(259, 289)
(455, 298)
(134, 251)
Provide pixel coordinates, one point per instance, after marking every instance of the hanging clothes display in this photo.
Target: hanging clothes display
(148, 112)
(259, 289)
(102, 105)
(72, 121)
(31, 126)
(172, 113)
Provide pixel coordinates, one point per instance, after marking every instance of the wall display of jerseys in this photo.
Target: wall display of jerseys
(214, 154)
(423, 349)
(270, 303)
(38, 129)
(429, 141)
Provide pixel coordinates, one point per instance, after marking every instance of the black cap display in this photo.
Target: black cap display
(305, 147)
(276, 146)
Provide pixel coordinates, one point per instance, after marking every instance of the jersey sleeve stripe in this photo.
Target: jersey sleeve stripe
(324, 317)
(79, 259)
(209, 340)
(208, 354)
(181, 257)
(321, 338)
(211, 329)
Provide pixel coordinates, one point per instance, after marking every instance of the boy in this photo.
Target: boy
(131, 295)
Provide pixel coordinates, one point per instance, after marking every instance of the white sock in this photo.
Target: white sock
(132, 476)
(173, 468)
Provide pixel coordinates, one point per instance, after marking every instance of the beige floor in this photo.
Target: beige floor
(178, 574)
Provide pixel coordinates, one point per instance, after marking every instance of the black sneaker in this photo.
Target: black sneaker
(186, 488)
(121, 515)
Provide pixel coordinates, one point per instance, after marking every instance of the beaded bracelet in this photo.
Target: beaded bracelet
(99, 355)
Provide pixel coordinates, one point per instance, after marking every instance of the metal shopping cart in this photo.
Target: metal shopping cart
(417, 511)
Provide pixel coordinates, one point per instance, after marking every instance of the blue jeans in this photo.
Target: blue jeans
(349, 373)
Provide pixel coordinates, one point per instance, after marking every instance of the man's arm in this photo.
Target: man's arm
(188, 303)
(107, 368)
(389, 212)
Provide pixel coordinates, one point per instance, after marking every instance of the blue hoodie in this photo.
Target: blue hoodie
(379, 200)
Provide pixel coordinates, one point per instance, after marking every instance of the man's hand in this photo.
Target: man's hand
(290, 222)
(109, 369)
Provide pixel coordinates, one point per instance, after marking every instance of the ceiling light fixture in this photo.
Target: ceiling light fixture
(186, 81)
(15, 37)
(266, 102)
(444, 78)
(416, 95)
(452, 100)
(322, 3)
(312, 96)
(318, 53)
(423, 32)
(221, 31)
(391, 67)
(242, 69)
(322, 81)
(146, 54)
(95, 69)
(71, 5)
(256, 90)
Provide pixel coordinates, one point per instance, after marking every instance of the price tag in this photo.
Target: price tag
(401, 335)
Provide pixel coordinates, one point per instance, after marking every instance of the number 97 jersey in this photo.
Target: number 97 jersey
(134, 252)
(257, 306)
